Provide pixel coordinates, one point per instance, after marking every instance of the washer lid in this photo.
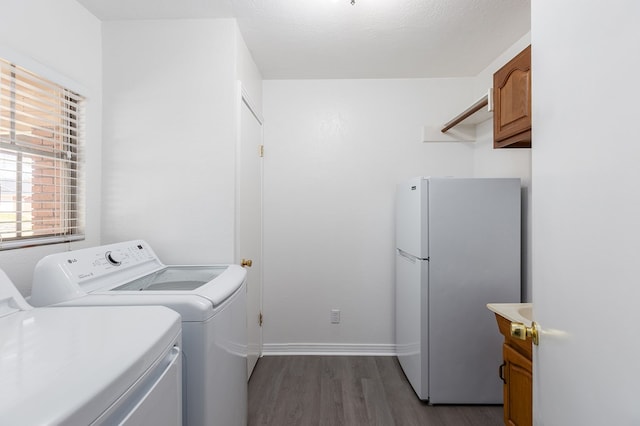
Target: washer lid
(67, 365)
(212, 283)
(171, 278)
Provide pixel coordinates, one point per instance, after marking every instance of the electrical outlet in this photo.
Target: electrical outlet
(335, 316)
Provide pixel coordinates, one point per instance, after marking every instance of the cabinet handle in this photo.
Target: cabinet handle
(501, 372)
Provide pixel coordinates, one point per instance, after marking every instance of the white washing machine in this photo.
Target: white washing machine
(211, 300)
(88, 366)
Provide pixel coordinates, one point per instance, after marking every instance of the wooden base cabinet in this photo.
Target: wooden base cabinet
(517, 388)
(516, 373)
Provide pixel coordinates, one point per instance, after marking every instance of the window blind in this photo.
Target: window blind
(41, 200)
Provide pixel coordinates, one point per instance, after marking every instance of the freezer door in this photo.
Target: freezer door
(411, 326)
(411, 217)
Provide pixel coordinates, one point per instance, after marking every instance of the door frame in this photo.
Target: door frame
(244, 98)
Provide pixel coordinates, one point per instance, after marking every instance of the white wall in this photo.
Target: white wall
(170, 134)
(248, 73)
(489, 162)
(61, 41)
(335, 150)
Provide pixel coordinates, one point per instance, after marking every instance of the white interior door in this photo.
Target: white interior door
(249, 222)
(586, 212)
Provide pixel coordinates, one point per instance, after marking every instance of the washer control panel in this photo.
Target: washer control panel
(64, 276)
(105, 260)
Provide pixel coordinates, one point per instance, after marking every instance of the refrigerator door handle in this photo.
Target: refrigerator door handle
(409, 256)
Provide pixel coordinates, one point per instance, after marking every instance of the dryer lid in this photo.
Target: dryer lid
(68, 365)
(11, 300)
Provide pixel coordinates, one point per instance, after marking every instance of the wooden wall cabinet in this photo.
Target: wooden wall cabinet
(516, 373)
(512, 103)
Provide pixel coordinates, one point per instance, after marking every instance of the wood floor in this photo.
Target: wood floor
(348, 390)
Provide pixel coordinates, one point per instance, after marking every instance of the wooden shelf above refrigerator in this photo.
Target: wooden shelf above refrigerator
(462, 127)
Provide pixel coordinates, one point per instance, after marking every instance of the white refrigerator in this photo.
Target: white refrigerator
(457, 249)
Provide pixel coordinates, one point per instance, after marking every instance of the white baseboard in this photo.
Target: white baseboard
(327, 349)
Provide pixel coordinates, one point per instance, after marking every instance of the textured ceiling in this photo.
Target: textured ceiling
(295, 39)
(115, 10)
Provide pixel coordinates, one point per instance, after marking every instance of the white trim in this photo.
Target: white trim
(40, 241)
(42, 70)
(328, 349)
(243, 98)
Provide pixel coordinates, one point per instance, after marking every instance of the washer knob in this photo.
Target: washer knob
(112, 258)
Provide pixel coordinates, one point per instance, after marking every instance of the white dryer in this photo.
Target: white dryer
(210, 298)
(88, 366)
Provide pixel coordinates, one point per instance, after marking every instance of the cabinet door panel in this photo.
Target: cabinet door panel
(512, 102)
(518, 388)
(514, 99)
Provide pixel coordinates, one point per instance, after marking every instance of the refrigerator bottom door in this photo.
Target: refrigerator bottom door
(410, 328)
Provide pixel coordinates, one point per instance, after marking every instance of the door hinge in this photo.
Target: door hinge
(260, 319)
(261, 150)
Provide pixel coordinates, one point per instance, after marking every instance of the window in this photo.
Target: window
(40, 159)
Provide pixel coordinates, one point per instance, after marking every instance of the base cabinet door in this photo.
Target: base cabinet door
(518, 410)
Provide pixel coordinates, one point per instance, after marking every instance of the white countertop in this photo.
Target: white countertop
(514, 312)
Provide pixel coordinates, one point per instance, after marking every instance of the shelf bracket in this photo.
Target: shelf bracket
(481, 103)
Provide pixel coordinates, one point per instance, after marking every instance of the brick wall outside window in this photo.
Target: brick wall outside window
(39, 138)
